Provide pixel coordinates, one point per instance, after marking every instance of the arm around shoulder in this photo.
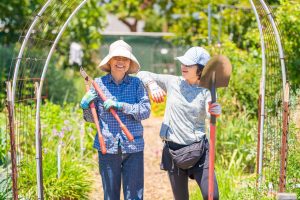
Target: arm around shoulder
(142, 108)
(161, 79)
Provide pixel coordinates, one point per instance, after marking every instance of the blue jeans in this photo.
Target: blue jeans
(126, 167)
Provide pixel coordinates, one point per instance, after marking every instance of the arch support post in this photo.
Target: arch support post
(39, 99)
(38, 153)
(14, 172)
(261, 117)
(284, 138)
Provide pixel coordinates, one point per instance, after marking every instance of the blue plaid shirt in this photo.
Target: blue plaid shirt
(136, 108)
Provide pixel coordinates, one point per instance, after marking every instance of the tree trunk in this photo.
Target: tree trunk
(132, 27)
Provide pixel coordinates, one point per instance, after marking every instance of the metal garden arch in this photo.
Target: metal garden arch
(266, 25)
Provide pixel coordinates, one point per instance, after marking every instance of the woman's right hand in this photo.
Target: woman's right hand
(157, 94)
(87, 98)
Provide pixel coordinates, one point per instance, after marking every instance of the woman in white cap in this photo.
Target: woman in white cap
(124, 160)
(187, 107)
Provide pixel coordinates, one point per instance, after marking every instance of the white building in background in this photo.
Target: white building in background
(115, 25)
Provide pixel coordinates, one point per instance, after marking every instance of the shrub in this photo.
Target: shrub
(73, 182)
(5, 185)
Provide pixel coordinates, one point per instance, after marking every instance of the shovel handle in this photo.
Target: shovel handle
(212, 142)
(113, 112)
(95, 117)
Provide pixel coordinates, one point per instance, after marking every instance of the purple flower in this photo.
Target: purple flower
(54, 132)
(72, 137)
(61, 134)
(81, 131)
(66, 128)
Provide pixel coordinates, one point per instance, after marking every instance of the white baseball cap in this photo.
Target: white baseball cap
(193, 56)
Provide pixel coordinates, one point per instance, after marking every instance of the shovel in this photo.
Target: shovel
(216, 74)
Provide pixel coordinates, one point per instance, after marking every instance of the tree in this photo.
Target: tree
(13, 17)
(131, 11)
(287, 16)
(17, 15)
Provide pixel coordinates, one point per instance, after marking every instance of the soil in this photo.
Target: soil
(157, 184)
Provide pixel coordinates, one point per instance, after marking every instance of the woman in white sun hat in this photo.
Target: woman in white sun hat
(183, 128)
(124, 160)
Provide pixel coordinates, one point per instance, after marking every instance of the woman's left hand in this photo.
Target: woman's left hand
(109, 103)
(214, 109)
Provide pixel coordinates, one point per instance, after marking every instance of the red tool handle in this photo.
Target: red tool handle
(212, 142)
(113, 112)
(100, 136)
(95, 117)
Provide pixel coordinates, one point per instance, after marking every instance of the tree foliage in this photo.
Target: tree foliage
(287, 16)
(130, 12)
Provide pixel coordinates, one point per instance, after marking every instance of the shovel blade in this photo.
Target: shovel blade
(222, 67)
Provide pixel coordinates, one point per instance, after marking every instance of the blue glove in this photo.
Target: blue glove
(109, 103)
(87, 98)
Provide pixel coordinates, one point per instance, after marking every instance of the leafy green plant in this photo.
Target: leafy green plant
(62, 128)
(236, 142)
(3, 139)
(5, 185)
(73, 183)
(293, 163)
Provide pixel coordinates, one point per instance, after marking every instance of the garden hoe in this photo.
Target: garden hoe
(216, 74)
(103, 97)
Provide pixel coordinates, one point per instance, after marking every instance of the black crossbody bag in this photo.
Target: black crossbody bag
(186, 157)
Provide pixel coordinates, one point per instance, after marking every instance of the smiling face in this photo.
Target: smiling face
(189, 73)
(119, 65)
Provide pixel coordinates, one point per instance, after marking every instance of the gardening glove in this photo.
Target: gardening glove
(156, 92)
(109, 103)
(87, 98)
(214, 109)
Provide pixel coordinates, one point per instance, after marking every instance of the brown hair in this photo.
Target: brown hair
(199, 72)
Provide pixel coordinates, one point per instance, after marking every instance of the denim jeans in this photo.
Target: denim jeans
(128, 168)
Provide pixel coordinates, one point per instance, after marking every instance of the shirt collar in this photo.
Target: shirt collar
(125, 79)
(192, 85)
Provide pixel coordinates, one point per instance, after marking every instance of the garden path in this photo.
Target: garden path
(157, 186)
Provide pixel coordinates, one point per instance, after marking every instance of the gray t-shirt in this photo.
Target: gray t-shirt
(186, 108)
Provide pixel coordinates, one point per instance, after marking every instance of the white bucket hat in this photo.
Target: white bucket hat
(193, 56)
(120, 48)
